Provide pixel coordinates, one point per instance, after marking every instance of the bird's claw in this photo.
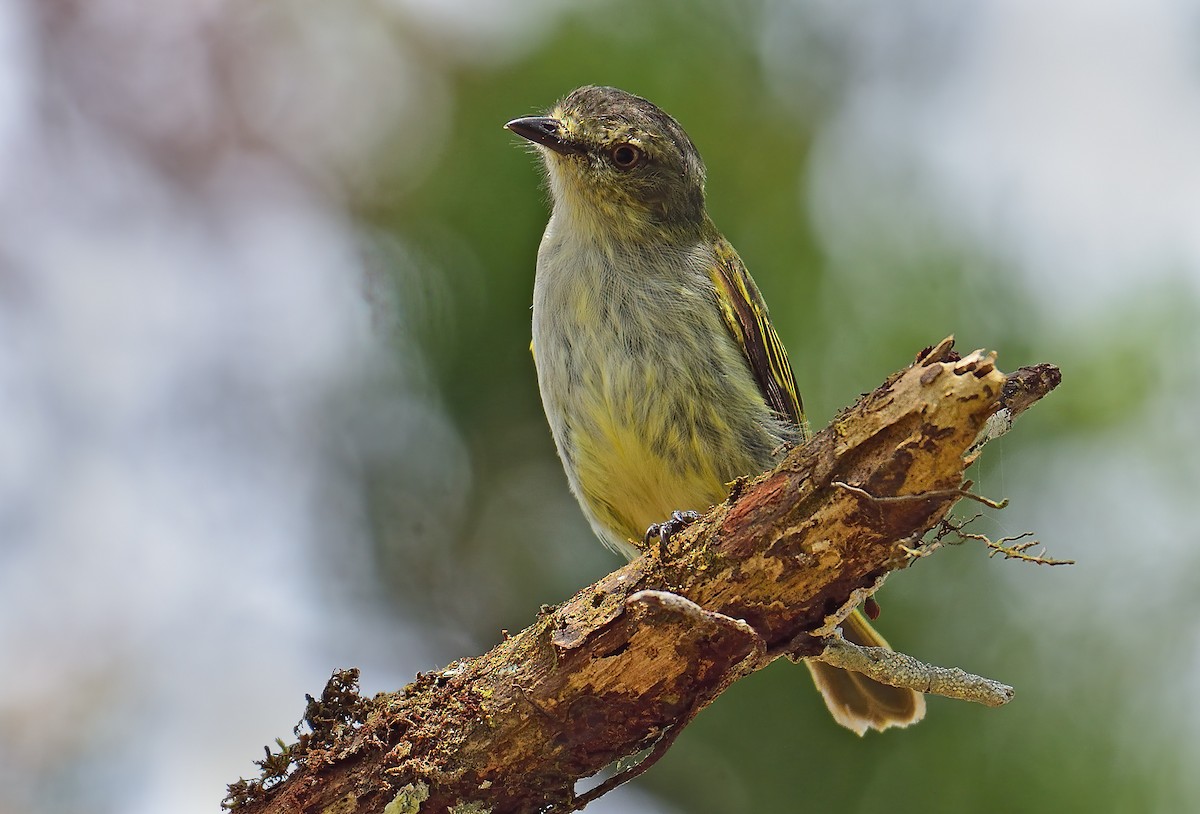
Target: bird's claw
(664, 531)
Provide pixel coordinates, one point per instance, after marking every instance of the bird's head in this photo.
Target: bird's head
(618, 165)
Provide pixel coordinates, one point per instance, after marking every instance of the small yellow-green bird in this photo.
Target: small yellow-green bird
(660, 373)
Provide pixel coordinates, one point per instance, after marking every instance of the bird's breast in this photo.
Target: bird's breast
(651, 404)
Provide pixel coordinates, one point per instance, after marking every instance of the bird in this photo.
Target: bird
(660, 373)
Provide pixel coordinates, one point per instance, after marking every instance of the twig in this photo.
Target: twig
(900, 670)
(933, 494)
(1019, 551)
(1011, 547)
(915, 549)
(664, 742)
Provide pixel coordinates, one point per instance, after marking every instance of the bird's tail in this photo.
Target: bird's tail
(858, 702)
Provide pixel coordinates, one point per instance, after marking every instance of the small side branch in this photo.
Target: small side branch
(1014, 547)
(899, 670)
(936, 494)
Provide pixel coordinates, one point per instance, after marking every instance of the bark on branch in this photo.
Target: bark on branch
(624, 664)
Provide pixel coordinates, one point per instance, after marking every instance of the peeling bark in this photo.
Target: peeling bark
(624, 664)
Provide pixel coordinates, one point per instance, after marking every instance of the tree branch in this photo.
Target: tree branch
(623, 665)
(900, 670)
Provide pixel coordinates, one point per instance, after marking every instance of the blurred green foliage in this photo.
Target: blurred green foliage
(1082, 734)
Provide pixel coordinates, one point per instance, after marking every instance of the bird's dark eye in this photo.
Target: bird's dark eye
(625, 156)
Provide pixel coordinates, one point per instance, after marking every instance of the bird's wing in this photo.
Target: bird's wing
(745, 315)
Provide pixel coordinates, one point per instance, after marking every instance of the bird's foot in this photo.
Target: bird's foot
(661, 533)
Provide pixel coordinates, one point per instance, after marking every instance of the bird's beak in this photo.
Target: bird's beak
(546, 131)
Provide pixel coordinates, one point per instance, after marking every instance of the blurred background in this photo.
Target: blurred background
(268, 407)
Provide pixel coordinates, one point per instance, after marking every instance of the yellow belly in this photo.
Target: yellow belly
(629, 485)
